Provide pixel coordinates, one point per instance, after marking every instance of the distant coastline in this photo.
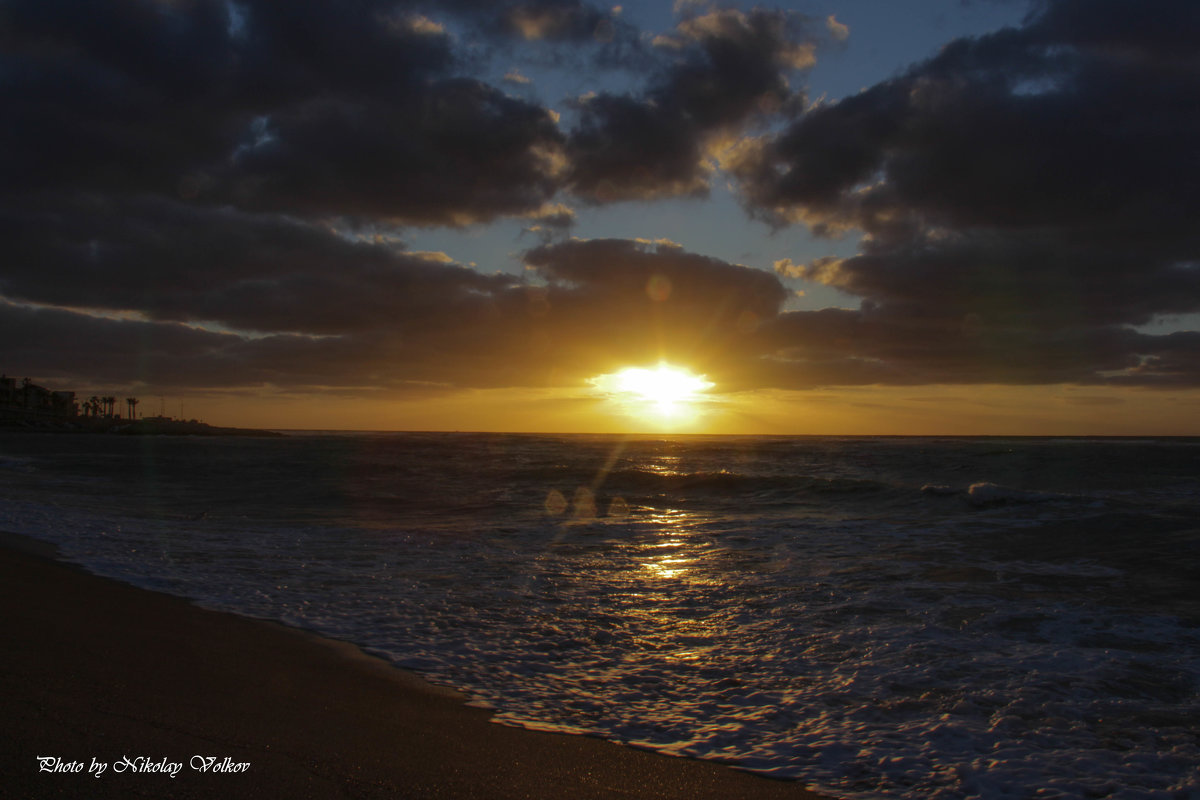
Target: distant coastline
(31, 407)
(149, 426)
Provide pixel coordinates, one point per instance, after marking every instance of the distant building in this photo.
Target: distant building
(8, 391)
(63, 403)
(30, 402)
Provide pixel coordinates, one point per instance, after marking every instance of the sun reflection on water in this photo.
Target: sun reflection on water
(668, 566)
(663, 465)
(667, 557)
(646, 566)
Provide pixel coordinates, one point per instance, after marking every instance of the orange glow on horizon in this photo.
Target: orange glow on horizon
(1057, 410)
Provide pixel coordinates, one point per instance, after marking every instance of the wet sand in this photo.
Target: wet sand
(98, 672)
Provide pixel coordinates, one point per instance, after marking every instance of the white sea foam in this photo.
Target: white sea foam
(991, 494)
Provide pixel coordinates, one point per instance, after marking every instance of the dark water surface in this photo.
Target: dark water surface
(876, 617)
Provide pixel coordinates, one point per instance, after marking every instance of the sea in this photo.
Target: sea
(872, 617)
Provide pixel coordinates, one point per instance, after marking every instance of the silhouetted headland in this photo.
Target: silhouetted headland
(166, 426)
(32, 407)
(149, 426)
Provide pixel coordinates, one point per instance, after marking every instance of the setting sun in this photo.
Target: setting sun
(665, 391)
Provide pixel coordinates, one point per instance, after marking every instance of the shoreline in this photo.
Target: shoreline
(148, 426)
(97, 671)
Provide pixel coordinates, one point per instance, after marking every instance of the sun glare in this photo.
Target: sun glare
(665, 391)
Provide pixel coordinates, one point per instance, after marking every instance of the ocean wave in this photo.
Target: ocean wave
(841, 612)
(986, 494)
(727, 482)
(17, 464)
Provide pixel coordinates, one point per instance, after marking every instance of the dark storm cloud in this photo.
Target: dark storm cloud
(1027, 196)
(317, 109)
(907, 347)
(193, 190)
(173, 261)
(109, 94)
(200, 193)
(170, 165)
(73, 349)
(632, 270)
(722, 70)
(615, 302)
(393, 321)
(458, 152)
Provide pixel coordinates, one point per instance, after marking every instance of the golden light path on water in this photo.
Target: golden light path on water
(665, 561)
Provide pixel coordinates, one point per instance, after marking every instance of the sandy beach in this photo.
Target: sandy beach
(113, 691)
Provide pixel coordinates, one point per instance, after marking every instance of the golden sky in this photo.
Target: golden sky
(928, 410)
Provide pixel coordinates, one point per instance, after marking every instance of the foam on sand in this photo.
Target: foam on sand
(97, 671)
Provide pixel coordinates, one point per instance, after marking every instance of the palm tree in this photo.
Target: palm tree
(110, 403)
(131, 404)
(93, 405)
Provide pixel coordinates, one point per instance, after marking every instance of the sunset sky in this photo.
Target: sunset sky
(837, 216)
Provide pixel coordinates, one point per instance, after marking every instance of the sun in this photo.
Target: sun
(664, 391)
(666, 387)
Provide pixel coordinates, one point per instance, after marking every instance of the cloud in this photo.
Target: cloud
(621, 302)
(1027, 199)
(557, 20)
(837, 30)
(258, 274)
(542, 20)
(199, 199)
(314, 109)
(322, 110)
(550, 222)
(462, 151)
(419, 23)
(882, 345)
(723, 69)
(194, 199)
(173, 295)
(785, 266)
